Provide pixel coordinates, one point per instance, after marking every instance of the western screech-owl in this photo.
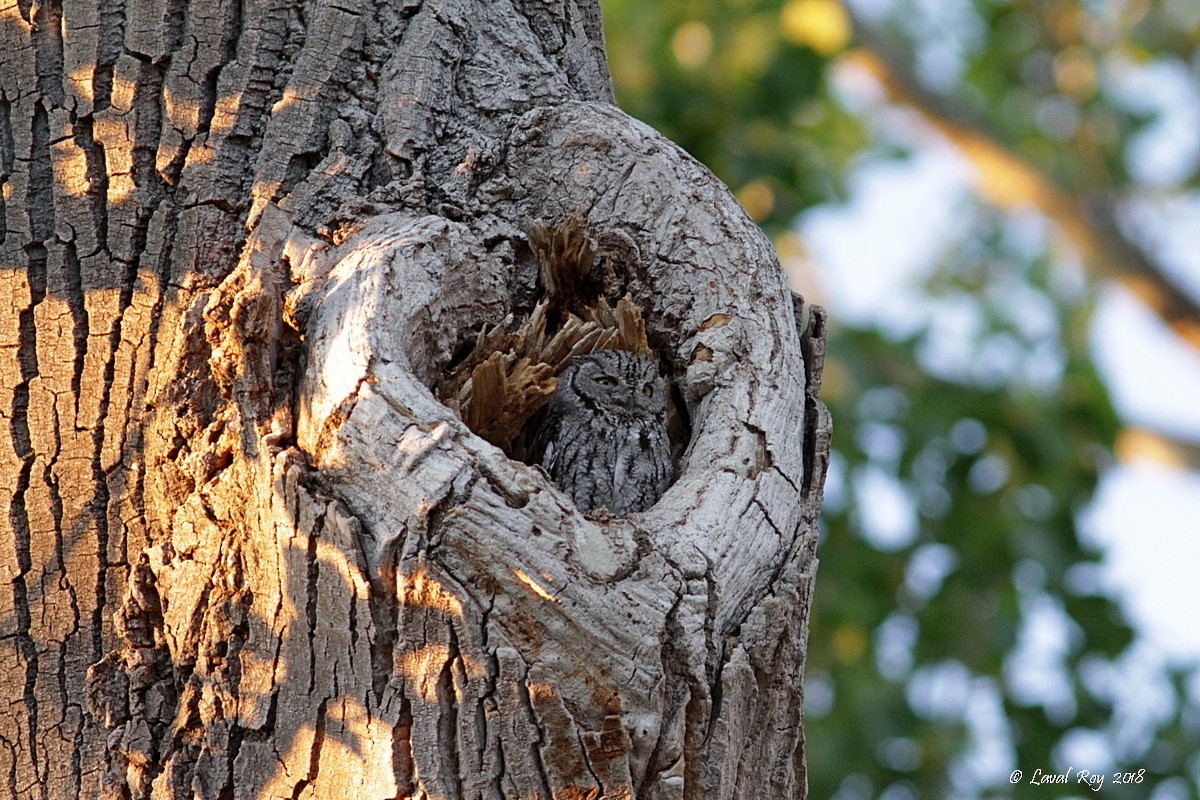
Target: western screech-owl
(605, 434)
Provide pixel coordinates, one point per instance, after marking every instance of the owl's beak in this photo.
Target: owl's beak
(631, 400)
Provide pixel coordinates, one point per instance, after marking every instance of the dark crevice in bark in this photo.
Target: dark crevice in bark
(408, 8)
(7, 160)
(173, 25)
(403, 766)
(231, 37)
(40, 216)
(39, 200)
(61, 723)
(812, 346)
(207, 108)
(79, 319)
(718, 657)
(163, 747)
(384, 610)
(447, 726)
(714, 641)
(300, 166)
(171, 171)
(587, 764)
(312, 573)
(19, 519)
(97, 176)
(27, 358)
(352, 622)
(48, 51)
(501, 769)
(148, 110)
(233, 30)
(178, 748)
(59, 563)
(110, 46)
(487, 698)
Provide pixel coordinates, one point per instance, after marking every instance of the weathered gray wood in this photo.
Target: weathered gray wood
(249, 554)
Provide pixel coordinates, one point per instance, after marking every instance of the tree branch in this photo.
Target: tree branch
(1007, 179)
(1143, 444)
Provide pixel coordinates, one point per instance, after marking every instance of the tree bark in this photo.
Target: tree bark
(251, 555)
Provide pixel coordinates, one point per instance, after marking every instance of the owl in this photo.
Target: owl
(605, 435)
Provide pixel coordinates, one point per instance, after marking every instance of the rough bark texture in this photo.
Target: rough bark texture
(250, 555)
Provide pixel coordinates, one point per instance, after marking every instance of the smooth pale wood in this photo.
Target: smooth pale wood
(246, 552)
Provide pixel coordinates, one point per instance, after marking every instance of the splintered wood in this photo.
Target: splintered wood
(574, 273)
(509, 374)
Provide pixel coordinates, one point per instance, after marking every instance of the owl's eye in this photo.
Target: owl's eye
(648, 390)
(606, 380)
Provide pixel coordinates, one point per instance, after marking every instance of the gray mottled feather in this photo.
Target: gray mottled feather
(605, 435)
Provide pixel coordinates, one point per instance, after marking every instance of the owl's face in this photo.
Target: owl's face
(619, 383)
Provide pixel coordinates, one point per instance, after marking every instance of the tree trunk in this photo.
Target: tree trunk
(251, 555)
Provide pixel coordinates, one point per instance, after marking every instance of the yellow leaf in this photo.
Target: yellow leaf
(822, 25)
(757, 198)
(692, 44)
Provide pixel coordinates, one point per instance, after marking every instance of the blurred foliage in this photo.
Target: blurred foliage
(724, 82)
(981, 639)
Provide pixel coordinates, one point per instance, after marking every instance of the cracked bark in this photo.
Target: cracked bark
(247, 553)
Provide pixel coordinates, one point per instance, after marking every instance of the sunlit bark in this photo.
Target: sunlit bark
(250, 555)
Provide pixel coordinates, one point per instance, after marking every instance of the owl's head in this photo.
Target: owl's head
(618, 382)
